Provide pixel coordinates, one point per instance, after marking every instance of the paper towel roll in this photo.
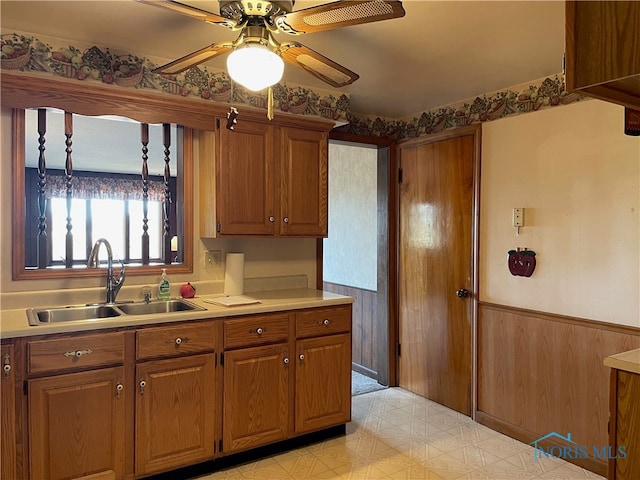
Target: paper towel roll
(234, 274)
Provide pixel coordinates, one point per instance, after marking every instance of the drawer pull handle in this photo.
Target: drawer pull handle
(119, 389)
(177, 341)
(78, 353)
(259, 330)
(142, 385)
(326, 322)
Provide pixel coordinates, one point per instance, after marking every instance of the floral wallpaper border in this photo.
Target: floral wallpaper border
(28, 53)
(540, 94)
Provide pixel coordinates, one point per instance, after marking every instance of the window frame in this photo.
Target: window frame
(20, 90)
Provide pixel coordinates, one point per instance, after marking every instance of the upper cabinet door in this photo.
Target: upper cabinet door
(602, 43)
(303, 182)
(246, 180)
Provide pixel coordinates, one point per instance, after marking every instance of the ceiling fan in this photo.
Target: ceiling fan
(256, 59)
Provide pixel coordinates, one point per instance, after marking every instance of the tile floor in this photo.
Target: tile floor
(395, 434)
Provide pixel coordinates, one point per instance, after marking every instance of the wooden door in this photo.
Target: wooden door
(8, 458)
(323, 382)
(303, 182)
(435, 261)
(77, 425)
(256, 396)
(246, 180)
(175, 412)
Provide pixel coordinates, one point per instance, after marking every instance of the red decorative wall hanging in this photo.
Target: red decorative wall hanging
(522, 263)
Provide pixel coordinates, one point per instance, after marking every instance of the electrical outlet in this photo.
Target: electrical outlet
(212, 258)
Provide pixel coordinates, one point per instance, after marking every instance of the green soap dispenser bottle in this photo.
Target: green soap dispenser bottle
(164, 288)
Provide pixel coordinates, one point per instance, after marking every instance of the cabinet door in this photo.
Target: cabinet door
(256, 397)
(246, 180)
(303, 182)
(9, 470)
(175, 412)
(323, 382)
(77, 425)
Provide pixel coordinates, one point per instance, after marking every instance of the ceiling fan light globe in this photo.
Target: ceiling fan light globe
(255, 67)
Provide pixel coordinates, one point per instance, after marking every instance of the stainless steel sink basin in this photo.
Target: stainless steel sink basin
(42, 316)
(168, 306)
(38, 316)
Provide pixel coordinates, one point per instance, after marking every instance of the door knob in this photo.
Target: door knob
(462, 293)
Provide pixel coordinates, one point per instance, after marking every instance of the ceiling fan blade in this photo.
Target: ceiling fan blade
(192, 12)
(342, 13)
(318, 65)
(195, 58)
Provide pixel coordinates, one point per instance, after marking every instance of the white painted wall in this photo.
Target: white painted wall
(350, 251)
(578, 176)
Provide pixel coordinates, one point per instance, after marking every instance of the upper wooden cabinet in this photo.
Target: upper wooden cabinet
(602, 50)
(264, 179)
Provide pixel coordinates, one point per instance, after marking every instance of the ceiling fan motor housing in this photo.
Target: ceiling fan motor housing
(237, 9)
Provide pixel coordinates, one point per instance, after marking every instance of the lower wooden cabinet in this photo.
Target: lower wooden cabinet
(256, 397)
(624, 426)
(323, 382)
(175, 412)
(8, 418)
(130, 403)
(77, 425)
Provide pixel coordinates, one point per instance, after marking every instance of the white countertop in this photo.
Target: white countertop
(14, 323)
(627, 361)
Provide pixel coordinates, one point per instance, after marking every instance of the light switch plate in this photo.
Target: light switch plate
(518, 217)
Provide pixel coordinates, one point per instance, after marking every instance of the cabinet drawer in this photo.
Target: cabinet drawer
(175, 340)
(258, 330)
(73, 353)
(323, 321)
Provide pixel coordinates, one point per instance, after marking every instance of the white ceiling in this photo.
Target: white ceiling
(440, 52)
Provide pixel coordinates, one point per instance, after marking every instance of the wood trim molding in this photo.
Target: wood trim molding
(527, 437)
(611, 327)
(22, 90)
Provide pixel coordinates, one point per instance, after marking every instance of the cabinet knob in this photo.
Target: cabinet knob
(286, 360)
(285, 219)
(142, 385)
(119, 388)
(178, 341)
(272, 219)
(326, 322)
(259, 331)
(301, 357)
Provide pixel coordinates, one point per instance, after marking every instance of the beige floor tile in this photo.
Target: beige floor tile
(397, 435)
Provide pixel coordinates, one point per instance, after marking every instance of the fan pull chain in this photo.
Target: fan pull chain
(270, 104)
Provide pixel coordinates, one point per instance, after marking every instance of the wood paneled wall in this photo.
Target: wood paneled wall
(364, 354)
(540, 373)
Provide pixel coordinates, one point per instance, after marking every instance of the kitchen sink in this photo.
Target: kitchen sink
(161, 306)
(38, 316)
(41, 316)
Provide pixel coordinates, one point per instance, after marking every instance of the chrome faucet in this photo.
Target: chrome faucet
(113, 284)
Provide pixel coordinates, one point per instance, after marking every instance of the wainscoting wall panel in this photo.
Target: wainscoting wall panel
(364, 334)
(540, 373)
